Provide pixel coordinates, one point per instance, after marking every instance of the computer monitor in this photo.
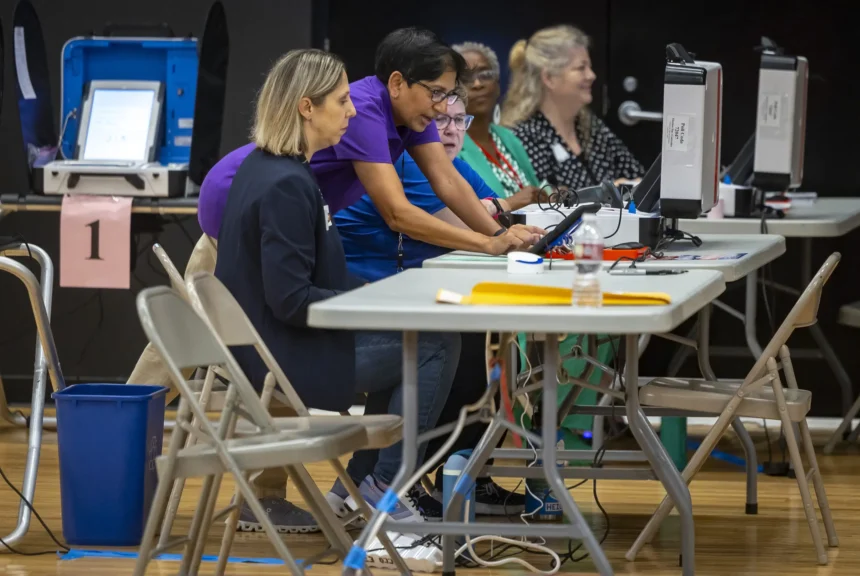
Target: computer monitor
(119, 121)
(646, 194)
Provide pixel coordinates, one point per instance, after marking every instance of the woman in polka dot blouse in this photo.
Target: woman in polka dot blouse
(547, 107)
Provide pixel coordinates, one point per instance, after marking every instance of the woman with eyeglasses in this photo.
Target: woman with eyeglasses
(416, 74)
(370, 247)
(493, 151)
(374, 250)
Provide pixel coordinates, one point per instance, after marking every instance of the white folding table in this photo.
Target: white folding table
(406, 302)
(716, 253)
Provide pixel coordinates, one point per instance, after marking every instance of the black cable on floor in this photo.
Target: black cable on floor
(27, 503)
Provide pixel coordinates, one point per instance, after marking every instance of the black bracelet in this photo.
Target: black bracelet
(498, 205)
(500, 231)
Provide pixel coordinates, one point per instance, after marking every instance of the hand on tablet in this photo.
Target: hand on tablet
(517, 237)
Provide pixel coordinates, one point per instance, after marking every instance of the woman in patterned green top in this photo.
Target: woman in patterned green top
(493, 151)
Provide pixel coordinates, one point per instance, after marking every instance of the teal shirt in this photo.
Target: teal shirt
(512, 146)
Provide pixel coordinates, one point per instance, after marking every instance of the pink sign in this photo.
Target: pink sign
(95, 242)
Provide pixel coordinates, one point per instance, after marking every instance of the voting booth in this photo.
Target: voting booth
(127, 117)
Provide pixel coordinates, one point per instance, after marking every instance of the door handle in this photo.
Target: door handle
(630, 114)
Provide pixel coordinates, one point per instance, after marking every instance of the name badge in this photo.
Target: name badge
(327, 217)
(561, 155)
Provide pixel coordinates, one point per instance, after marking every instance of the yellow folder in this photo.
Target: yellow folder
(507, 294)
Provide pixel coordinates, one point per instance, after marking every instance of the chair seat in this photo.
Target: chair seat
(382, 430)
(712, 397)
(315, 443)
(849, 315)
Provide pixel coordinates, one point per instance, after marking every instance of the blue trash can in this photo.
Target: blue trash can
(109, 436)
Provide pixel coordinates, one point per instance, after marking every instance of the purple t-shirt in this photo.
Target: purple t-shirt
(371, 137)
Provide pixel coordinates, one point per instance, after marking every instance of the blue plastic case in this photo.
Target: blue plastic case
(171, 61)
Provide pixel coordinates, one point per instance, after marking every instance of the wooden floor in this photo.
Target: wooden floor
(776, 541)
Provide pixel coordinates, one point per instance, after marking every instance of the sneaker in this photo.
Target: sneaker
(427, 504)
(406, 509)
(493, 500)
(286, 516)
(337, 498)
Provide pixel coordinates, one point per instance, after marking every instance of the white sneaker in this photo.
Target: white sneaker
(406, 509)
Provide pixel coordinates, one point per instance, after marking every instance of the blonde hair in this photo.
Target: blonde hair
(308, 73)
(547, 50)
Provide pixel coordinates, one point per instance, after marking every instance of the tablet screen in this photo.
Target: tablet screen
(119, 124)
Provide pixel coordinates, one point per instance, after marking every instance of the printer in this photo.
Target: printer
(771, 161)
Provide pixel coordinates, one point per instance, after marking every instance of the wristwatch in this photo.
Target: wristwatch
(500, 231)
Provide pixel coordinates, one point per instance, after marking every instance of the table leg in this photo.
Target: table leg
(662, 465)
(673, 430)
(750, 312)
(409, 444)
(46, 365)
(453, 511)
(829, 355)
(556, 482)
(844, 428)
(750, 456)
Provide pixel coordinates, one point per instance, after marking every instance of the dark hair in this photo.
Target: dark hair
(418, 54)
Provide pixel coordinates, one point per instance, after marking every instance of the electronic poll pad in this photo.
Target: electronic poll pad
(116, 146)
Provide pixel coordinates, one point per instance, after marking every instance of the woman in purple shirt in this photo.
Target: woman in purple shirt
(415, 81)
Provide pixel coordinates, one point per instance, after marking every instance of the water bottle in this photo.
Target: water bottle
(455, 464)
(588, 257)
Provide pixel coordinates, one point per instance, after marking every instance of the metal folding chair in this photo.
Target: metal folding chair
(849, 315)
(47, 365)
(212, 300)
(185, 340)
(759, 395)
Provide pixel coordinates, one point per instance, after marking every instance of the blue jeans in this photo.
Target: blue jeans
(379, 370)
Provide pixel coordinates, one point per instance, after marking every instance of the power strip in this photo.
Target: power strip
(422, 558)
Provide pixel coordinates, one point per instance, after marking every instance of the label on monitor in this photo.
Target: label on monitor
(677, 135)
(770, 110)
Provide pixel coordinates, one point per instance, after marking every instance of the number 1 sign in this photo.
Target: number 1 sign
(95, 242)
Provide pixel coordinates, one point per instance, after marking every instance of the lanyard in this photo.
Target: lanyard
(507, 168)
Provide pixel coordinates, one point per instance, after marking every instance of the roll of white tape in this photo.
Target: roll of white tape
(524, 263)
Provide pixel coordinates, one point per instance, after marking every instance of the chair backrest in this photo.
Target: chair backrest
(184, 339)
(803, 313)
(213, 301)
(176, 280)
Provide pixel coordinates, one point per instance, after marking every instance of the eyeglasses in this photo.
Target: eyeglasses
(460, 122)
(438, 95)
(484, 75)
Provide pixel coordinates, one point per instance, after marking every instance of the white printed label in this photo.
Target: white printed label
(560, 153)
(182, 141)
(677, 132)
(770, 110)
(21, 65)
(186, 123)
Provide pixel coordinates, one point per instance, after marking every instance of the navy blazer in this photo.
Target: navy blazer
(278, 253)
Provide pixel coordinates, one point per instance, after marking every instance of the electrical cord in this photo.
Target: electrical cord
(597, 463)
(617, 226)
(32, 509)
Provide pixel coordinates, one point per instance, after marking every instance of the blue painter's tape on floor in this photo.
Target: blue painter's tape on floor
(730, 458)
(77, 554)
